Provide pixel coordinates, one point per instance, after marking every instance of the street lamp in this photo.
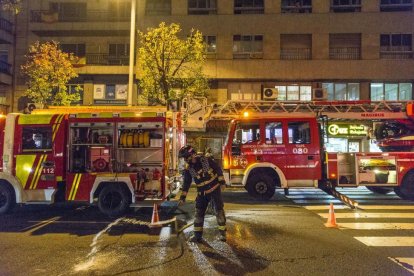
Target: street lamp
(131, 53)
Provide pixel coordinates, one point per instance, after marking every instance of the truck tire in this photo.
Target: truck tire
(406, 189)
(7, 198)
(261, 186)
(379, 190)
(113, 201)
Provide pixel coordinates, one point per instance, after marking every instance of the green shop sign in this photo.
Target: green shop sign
(342, 130)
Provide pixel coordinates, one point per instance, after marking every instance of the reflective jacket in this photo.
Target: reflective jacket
(205, 173)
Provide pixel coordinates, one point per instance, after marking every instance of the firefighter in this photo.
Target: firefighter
(208, 177)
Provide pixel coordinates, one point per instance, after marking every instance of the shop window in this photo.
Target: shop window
(396, 5)
(396, 46)
(296, 6)
(36, 138)
(299, 133)
(247, 46)
(342, 91)
(346, 5)
(248, 6)
(111, 94)
(202, 7)
(274, 133)
(247, 133)
(76, 88)
(158, 7)
(391, 91)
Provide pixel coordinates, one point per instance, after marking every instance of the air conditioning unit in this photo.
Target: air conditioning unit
(270, 93)
(33, 106)
(319, 94)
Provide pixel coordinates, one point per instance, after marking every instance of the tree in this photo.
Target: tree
(171, 68)
(10, 5)
(49, 70)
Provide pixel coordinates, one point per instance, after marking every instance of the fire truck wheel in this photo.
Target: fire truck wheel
(261, 186)
(406, 189)
(113, 200)
(379, 190)
(7, 198)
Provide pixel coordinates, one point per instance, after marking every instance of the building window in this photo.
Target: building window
(210, 42)
(296, 6)
(345, 46)
(274, 133)
(295, 46)
(345, 5)
(248, 6)
(247, 46)
(158, 7)
(396, 5)
(118, 54)
(78, 50)
(119, 10)
(294, 92)
(247, 133)
(391, 91)
(396, 46)
(342, 91)
(202, 7)
(110, 94)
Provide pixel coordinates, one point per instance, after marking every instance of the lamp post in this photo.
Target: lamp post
(131, 53)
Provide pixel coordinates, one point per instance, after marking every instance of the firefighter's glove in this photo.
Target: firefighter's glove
(223, 186)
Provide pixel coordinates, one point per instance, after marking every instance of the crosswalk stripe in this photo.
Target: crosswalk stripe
(376, 226)
(407, 263)
(386, 241)
(365, 207)
(357, 215)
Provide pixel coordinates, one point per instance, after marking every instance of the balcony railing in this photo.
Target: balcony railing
(248, 55)
(395, 5)
(295, 53)
(194, 11)
(345, 53)
(346, 8)
(91, 16)
(249, 10)
(296, 9)
(396, 54)
(105, 59)
(6, 25)
(5, 67)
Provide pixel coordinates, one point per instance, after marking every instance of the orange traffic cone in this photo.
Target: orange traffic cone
(155, 217)
(331, 217)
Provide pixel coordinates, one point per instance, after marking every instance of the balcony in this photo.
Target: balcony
(6, 31)
(345, 53)
(248, 55)
(46, 16)
(5, 68)
(396, 5)
(295, 53)
(105, 59)
(296, 9)
(346, 6)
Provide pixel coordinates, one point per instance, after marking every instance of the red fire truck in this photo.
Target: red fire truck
(111, 158)
(282, 145)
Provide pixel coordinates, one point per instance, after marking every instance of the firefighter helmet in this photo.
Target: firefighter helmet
(186, 152)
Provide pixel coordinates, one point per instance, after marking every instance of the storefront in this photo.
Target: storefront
(350, 137)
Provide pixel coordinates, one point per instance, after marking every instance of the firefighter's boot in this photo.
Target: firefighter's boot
(196, 237)
(222, 236)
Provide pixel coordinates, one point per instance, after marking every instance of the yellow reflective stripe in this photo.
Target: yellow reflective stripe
(76, 186)
(207, 181)
(73, 186)
(221, 227)
(57, 125)
(220, 178)
(198, 229)
(40, 172)
(36, 172)
(24, 166)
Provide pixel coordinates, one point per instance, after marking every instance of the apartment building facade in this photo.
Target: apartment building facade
(6, 59)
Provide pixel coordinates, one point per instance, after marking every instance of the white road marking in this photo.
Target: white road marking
(365, 207)
(41, 224)
(376, 226)
(407, 263)
(357, 215)
(386, 241)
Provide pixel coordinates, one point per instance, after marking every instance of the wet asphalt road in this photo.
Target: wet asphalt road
(273, 238)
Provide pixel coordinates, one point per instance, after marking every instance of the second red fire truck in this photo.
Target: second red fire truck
(285, 148)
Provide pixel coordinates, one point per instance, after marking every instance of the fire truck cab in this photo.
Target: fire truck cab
(278, 150)
(112, 159)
